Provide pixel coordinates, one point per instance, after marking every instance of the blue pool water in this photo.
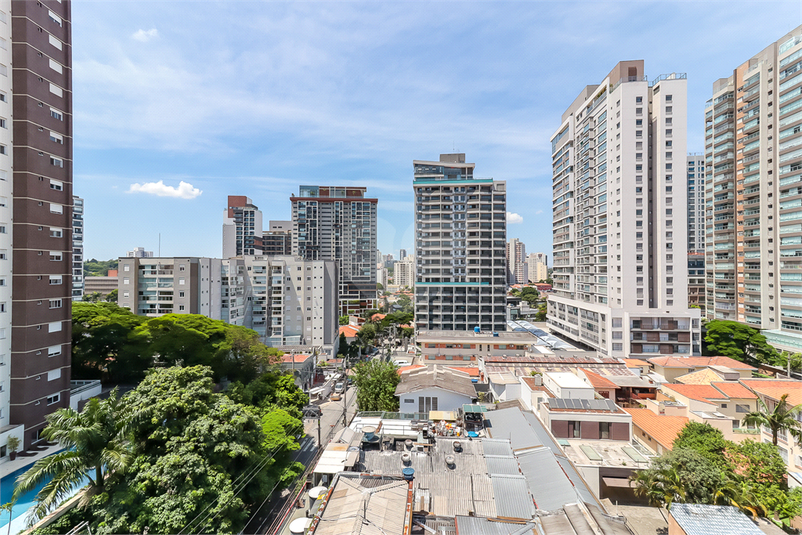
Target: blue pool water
(24, 502)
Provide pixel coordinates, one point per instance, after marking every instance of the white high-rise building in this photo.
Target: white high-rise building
(460, 246)
(404, 272)
(139, 252)
(753, 140)
(287, 300)
(517, 272)
(537, 267)
(620, 209)
(242, 227)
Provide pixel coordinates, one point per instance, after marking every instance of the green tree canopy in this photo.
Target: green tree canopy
(112, 297)
(530, 295)
(376, 382)
(344, 320)
(705, 440)
(783, 417)
(738, 341)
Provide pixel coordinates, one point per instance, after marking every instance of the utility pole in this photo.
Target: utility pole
(345, 395)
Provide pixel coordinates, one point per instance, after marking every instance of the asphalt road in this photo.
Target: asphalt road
(331, 418)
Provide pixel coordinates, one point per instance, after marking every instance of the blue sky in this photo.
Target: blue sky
(256, 98)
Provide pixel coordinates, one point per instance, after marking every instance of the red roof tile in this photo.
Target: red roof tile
(298, 358)
(349, 330)
(473, 372)
(734, 390)
(664, 429)
(403, 369)
(597, 381)
(775, 388)
(699, 362)
(703, 393)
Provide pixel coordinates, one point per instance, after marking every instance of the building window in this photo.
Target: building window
(55, 303)
(604, 430)
(55, 279)
(52, 400)
(56, 114)
(55, 256)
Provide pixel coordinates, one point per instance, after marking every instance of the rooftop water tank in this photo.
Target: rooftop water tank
(477, 330)
(409, 473)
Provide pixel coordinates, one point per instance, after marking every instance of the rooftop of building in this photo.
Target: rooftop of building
(584, 406)
(664, 429)
(349, 330)
(701, 519)
(299, 358)
(531, 382)
(775, 388)
(704, 376)
(565, 380)
(599, 452)
(699, 362)
(441, 377)
(704, 393)
(487, 336)
(596, 380)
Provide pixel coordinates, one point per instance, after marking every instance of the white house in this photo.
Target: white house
(567, 385)
(434, 389)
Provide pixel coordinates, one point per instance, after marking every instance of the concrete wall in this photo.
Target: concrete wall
(446, 401)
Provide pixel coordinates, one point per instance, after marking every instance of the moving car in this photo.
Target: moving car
(336, 396)
(339, 387)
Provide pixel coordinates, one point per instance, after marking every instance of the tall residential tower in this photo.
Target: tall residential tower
(339, 223)
(753, 151)
(40, 127)
(460, 247)
(620, 208)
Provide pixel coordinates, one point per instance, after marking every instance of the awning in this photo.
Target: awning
(618, 482)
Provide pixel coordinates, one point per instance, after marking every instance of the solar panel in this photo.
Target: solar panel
(558, 403)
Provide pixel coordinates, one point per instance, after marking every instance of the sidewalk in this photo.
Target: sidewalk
(25, 459)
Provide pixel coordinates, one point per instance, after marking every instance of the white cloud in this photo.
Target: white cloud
(539, 212)
(145, 35)
(514, 219)
(185, 190)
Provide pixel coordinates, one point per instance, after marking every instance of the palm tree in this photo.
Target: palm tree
(661, 487)
(782, 418)
(739, 493)
(94, 448)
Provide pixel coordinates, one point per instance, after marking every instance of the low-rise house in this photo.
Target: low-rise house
(586, 419)
(702, 519)
(533, 392)
(504, 386)
(656, 431)
(302, 367)
(603, 386)
(445, 347)
(350, 332)
(568, 385)
(434, 389)
(770, 391)
(673, 367)
(720, 404)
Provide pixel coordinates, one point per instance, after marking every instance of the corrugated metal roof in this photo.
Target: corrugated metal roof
(581, 487)
(609, 525)
(578, 520)
(698, 519)
(498, 464)
(541, 432)
(471, 525)
(496, 446)
(556, 524)
(546, 479)
(511, 424)
(512, 496)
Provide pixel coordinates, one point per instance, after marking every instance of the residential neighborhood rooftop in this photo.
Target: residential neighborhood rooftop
(441, 377)
(699, 362)
(664, 429)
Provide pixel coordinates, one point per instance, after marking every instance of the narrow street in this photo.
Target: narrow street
(331, 417)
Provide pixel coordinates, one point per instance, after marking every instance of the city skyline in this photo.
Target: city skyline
(261, 99)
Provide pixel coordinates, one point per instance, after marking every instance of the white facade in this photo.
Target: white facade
(139, 252)
(432, 399)
(287, 300)
(567, 385)
(620, 208)
(242, 227)
(537, 267)
(517, 272)
(754, 192)
(404, 272)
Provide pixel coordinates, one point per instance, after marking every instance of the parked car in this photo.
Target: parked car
(339, 387)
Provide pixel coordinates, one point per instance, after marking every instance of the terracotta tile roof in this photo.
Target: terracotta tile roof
(597, 381)
(530, 382)
(775, 388)
(704, 376)
(664, 429)
(349, 330)
(298, 358)
(635, 363)
(703, 393)
(734, 390)
(441, 377)
(377, 317)
(403, 369)
(473, 372)
(699, 362)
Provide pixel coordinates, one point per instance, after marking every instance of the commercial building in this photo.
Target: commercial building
(620, 274)
(139, 252)
(340, 224)
(242, 227)
(36, 268)
(101, 285)
(537, 267)
(156, 286)
(77, 248)
(460, 247)
(517, 272)
(287, 300)
(754, 193)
